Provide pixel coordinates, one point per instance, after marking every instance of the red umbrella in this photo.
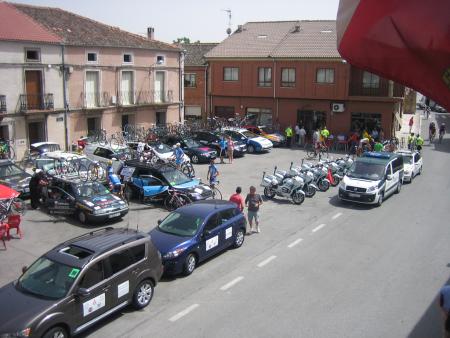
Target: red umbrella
(6, 193)
(407, 41)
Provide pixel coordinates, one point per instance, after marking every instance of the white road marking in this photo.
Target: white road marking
(266, 261)
(184, 312)
(317, 228)
(294, 243)
(339, 214)
(232, 283)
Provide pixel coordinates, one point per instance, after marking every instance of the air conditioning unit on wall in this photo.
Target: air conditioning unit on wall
(337, 107)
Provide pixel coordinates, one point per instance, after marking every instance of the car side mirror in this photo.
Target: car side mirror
(83, 292)
(389, 177)
(24, 268)
(159, 221)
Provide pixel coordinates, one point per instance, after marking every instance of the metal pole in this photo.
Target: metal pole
(66, 105)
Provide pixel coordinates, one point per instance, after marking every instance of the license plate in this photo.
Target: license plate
(116, 214)
(353, 195)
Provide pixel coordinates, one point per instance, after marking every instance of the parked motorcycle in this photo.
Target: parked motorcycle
(289, 188)
(320, 175)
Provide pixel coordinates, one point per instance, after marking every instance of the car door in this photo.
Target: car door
(211, 240)
(390, 183)
(417, 163)
(93, 294)
(59, 201)
(228, 227)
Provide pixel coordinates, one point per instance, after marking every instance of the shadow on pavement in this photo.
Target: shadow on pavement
(431, 323)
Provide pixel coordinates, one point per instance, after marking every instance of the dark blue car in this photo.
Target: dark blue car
(196, 232)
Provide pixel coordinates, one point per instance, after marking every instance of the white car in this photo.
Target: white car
(254, 142)
(100, 153)
(162, 151)
(412, 164)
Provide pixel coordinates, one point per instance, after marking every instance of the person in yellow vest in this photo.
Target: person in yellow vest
(419, 142)
(411, 141)
(288, 132)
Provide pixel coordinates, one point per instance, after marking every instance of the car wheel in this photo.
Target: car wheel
(194, 159)
(399, 186)
(380, 199)
(56, 332)
(239, 238)
(143, 294)
(82, 217)
(250, 149)
(190, 264)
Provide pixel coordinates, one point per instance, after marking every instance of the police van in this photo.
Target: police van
(372, 178)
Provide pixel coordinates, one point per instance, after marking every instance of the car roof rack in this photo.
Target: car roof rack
(88, 234)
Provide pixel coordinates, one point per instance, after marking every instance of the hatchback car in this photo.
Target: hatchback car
(212, 140)
(197, 152)
(80, 282)
(88, 201)
(276, 138)
(101, 153)
(412, 164)
(15, 177)
(197, 232)
(163, 152)
(254, 142)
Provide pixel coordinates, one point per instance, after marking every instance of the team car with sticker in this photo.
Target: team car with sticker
(88, 201)
(80, 282)
(196, 232)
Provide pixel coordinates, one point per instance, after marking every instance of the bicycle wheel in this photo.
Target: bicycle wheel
(188, 169)
(310, 153)
(83, 172)
(93, 171)
(217, 195)
(114, 142)
(172, 202)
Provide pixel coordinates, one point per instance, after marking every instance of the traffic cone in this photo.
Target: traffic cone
(330, 177)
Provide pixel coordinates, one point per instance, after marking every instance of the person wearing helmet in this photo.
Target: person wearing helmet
(113, 180)
(441, 132)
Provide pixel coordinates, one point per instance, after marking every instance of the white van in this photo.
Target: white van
(372, 178)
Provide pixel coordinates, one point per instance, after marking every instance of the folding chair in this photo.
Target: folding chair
(13, 222)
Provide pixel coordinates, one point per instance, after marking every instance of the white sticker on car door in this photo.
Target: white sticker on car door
(93, 304)
(123, 289)
(212, 243)
(228, 232)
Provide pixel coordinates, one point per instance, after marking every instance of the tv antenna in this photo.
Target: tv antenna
(229, 20)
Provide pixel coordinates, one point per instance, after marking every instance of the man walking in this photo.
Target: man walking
(288, 134)
(238, 199)
(223, 147)
(444, 304)
(297, 134)
(212, 174)
(253, 201)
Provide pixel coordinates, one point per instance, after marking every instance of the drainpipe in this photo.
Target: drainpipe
(181, 85)
(206, 93)
(66, 105)
(274, 87)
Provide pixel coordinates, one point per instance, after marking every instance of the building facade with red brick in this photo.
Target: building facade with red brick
(287, 73)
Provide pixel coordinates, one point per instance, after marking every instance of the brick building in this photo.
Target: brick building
(196, 84)
(290, 72)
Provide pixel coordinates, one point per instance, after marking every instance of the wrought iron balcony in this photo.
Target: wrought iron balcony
(3, 103)
(35, 102)
(94, 100)
(153, 96)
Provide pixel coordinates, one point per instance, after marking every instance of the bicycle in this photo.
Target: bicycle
(216, 194)
(95, 171)
(186, 168)
(175, 199)
(312, 152)
(432, 135)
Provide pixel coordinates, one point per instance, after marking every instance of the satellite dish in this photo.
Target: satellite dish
(228, 30)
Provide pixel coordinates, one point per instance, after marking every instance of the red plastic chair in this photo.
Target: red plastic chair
(3, 233)
(14, 223)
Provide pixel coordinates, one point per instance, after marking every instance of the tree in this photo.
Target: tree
(182, 40)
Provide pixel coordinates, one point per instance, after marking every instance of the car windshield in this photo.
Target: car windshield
(49, 279)
(10, 170)
(367, 171)
(249, 134)
(267, 130)
(90, 189)
(180, 224)
(46, 148)
(161, 148)
(191, 143)
(407, 159)
(175, 177)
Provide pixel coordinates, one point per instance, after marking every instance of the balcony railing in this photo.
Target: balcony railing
(35, 102)
(154, 96)
(2, 103)
(97, 100)
(126, 98)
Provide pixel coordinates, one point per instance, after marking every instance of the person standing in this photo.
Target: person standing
(419, 142)
(302, 136)
(37, 181)
(238, 199)
(297, 134)
(178, 153)
(378, 147)
(411, 123)
(212, 174)
(444, 304)
(253, 201)
(223, 147)
(230, 149)
(288, 134)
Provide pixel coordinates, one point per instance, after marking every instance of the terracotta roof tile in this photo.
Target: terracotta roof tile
(77, 30)
(195, 53)
(281, 39)
(15, 26)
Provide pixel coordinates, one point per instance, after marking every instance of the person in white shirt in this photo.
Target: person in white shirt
(302, 137)
(297, 134)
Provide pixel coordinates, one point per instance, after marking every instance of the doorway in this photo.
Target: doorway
(311, 120)
(33, 88)
(4, 133)
(159, 87)
(160, 118)
(93, 125)
(36, 132)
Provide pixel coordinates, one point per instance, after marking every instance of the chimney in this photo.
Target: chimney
(297, 28)
(240, 28)
(150, 33)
